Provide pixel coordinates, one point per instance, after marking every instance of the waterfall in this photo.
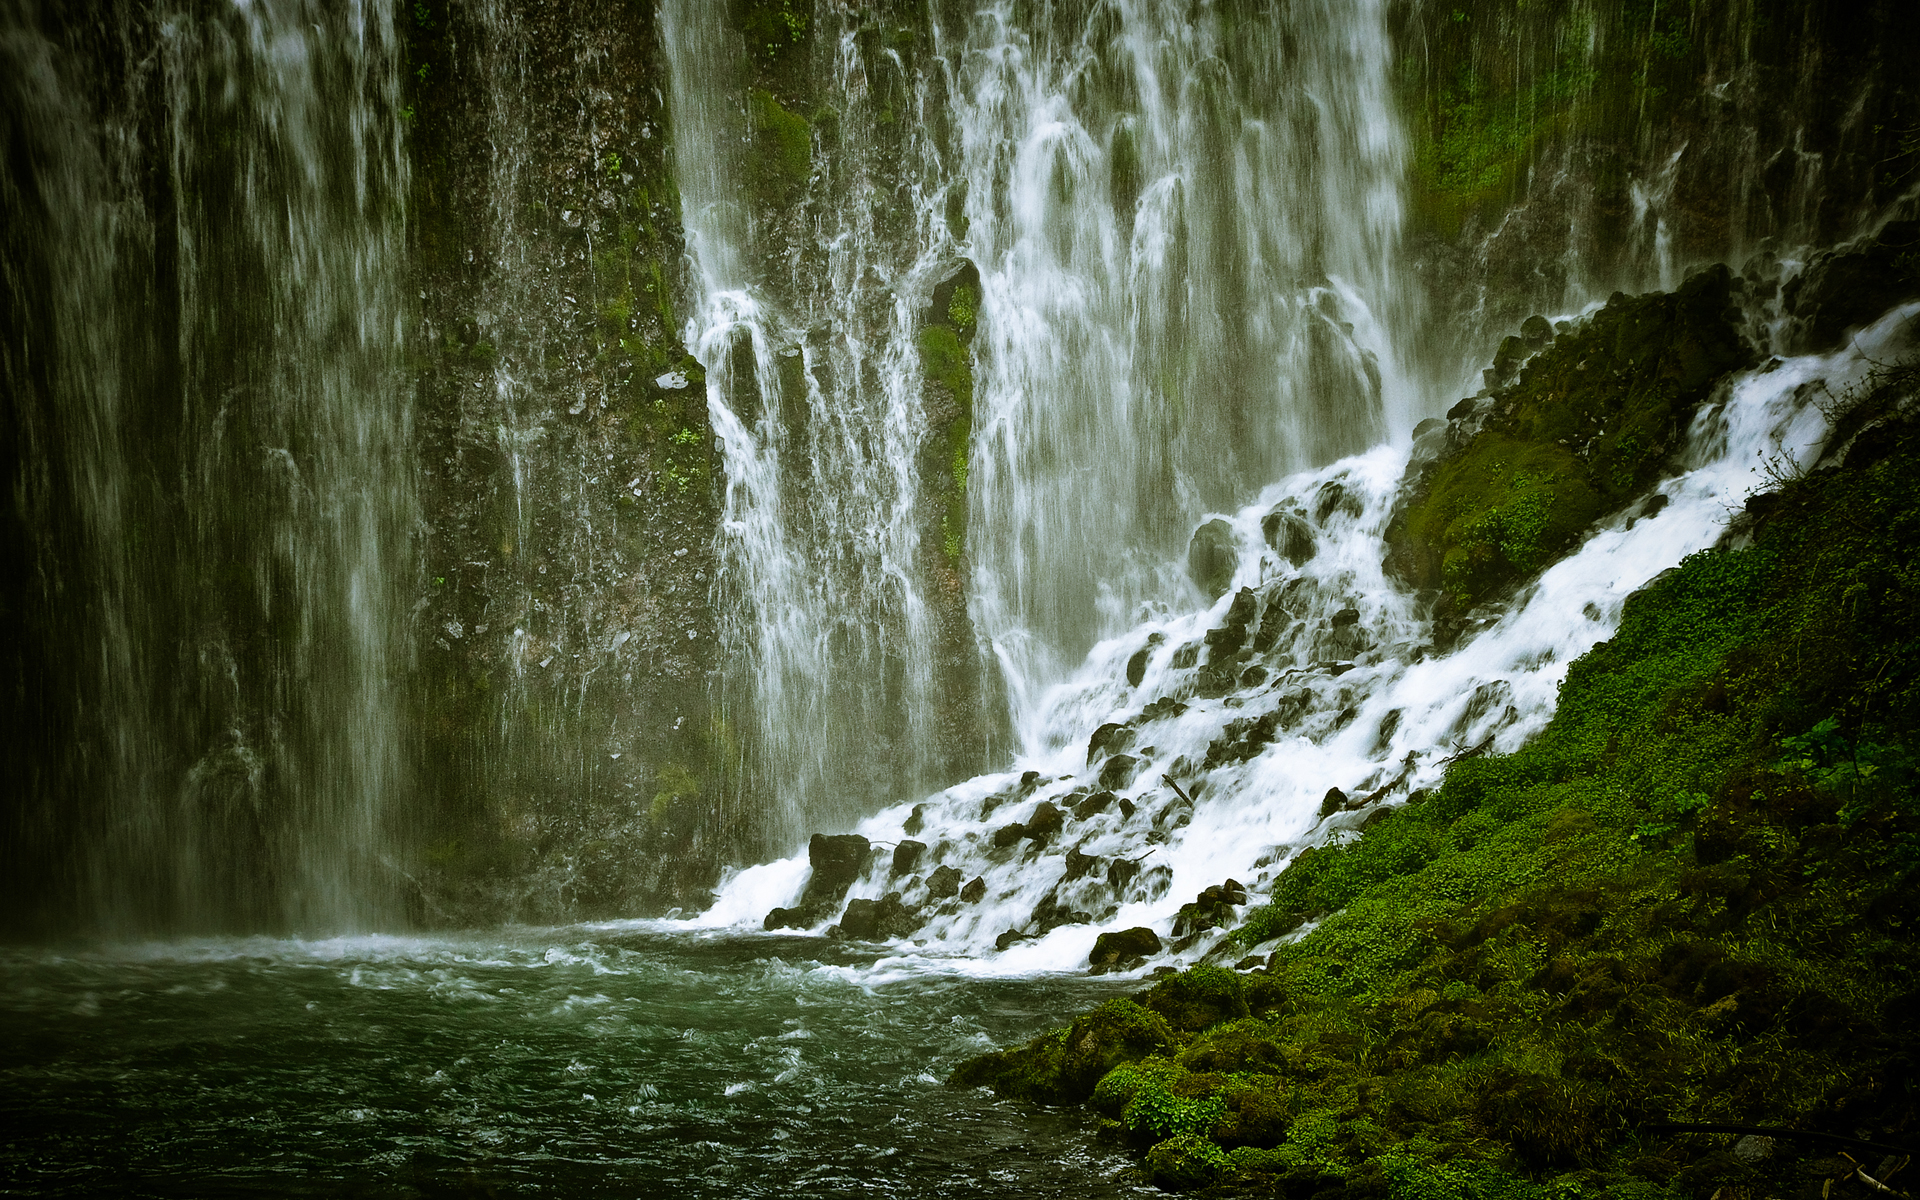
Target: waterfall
(1186, 225)
(213, 497)
(815, 394)
(1067, 285)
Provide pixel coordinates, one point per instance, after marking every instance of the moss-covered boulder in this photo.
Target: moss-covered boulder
(1063, 1067)
(1185, 1162)
(1197, 998)
(1590, 423)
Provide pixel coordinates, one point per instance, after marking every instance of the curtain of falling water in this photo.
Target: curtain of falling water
(213, 507)
(1185, 218)
(1182, 219)
(814, 390)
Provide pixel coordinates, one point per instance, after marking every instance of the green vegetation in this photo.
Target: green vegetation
(1691, 899)
(784, 140)
(1588, 426)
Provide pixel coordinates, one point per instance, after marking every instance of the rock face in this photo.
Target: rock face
(1589, 423)
(1849, 286)
(569, 482)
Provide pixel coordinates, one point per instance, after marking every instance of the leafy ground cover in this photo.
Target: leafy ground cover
(1692, 899)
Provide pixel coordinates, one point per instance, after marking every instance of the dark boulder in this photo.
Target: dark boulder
(1115, 945)
(1332, 802)
(786, 918)
(1119, 771)
(917, 821)
(1852, 285)
(944, 883)
(1289, 535)
(860, 919)
(1011, 937)
(1008, 835)
(1212, 557)
(1093, 805)
(1137, 666)
(1080, 865)
(1110, 738)
(906, 857)
(975, 891)
(837, 861)
(1046, 821)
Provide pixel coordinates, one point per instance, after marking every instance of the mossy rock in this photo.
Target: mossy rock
(783, 142)
(1591, 423)
(1185, 1163)
(1198, 998)
(1064, 1066)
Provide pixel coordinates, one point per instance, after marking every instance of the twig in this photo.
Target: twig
(1177, 790)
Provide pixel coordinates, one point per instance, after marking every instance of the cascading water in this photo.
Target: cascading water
(814, 391)
(1159, 774)
(1146, 344)
(1186, 228)
(213, 494)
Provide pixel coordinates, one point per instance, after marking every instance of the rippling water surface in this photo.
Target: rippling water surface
(615, 1060)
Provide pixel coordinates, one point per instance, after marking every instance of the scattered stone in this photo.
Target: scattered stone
(1289, 535)
(837, 861)
(906, 857)
(975, 891)
(944, 883)
(860, 919)
(1111, 738)
(1080, 865)
(1093, 805)
(1046, 821)
(1008, 835)
(1121, 872)
(1753, 1148)
(1137, 666)
(1332, 802)
(1119, 771)
(1186, 656)
(1011, 937)
(1253, 677)
(917, 821)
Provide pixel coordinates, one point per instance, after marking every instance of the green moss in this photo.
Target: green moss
(784, 139)
(1589, 423)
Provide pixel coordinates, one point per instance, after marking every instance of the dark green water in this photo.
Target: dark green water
(589, 1061)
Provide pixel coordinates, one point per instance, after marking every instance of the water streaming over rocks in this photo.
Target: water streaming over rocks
(1208, 747)
(214, 503)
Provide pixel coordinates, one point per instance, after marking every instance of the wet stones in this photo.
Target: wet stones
(1288, 533)
(1123, 950)
(1334, 801)
(906, 857)
(1185, 657)
(1111, 738)
(1137, 666)
(1165, 708)
(1046, 821)
(1211, 909)
(944, 883)
(1093, 805)
(884, 919)
(1212, 557)
(1119, 771)
(1273, 622)
(1080, 865)
(837, 860)
(916, 821)
(975, 891)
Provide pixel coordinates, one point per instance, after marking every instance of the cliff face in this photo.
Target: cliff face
(570, 765)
